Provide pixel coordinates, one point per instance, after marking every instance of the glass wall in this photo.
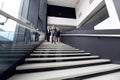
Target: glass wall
(18, 37)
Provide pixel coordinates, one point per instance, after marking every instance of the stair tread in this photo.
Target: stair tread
(59, 64)
(59, 54)
(66, 73)
(56, 47)
(110, 76)
(60, 58)
(58, 51)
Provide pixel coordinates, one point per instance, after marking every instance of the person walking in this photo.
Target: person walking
(48, 34)
(58, 35)
(53, 34)
(37, 35)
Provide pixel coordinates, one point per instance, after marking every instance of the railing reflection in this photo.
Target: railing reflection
(18, 38)
(7, 35)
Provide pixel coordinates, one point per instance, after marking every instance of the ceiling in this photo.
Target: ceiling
(65, 3)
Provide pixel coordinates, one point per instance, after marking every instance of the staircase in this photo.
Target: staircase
(60, 61)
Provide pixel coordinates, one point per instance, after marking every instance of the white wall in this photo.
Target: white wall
(113, 21)
(87, 10)
(61, 21)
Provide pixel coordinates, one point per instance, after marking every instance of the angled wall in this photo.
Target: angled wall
(105, 47)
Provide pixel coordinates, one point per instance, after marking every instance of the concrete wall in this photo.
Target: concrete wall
(105, 47)
(37, 13)
(42, 17)
(33, 12)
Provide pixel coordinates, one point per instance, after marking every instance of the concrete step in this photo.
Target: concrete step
(60, 64)
(54, 48)
(110, 76)
(61, 54)
(39, 49)
(57, 46)
(52, 45)
(58, 51)
(66, 73)
(61, 58)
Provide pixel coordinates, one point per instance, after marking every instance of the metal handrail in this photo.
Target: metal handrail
(25, 25)
(90, 35)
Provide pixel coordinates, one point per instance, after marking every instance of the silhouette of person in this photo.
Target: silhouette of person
(48, 34)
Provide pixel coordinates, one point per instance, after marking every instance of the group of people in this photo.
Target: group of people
(53, 34)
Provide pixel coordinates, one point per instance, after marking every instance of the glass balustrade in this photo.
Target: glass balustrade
(18, 38)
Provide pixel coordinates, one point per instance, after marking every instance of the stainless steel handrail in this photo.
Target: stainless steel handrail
(90, 35)
(25, 25)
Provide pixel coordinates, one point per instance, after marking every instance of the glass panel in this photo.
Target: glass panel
(12, 33)
(16, 41)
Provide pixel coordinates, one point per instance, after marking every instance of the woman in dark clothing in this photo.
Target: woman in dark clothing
(58, 35)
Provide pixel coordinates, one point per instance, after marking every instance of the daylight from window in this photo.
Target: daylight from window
(11, 7)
